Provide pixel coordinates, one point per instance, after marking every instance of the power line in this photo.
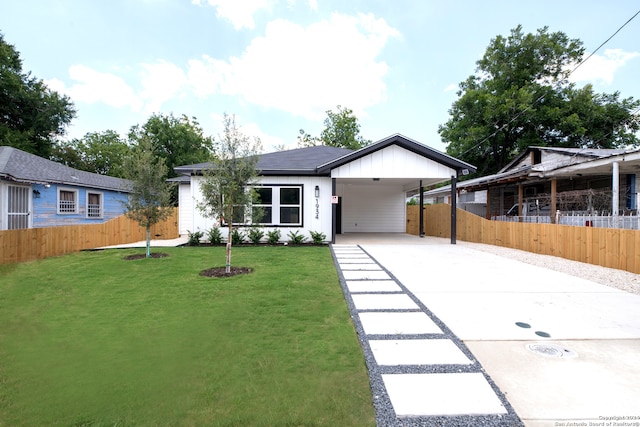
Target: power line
(542, 96)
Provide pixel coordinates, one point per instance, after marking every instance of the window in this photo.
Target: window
(278, 205)
(274, 205)
(94, 205)
(67, 201)
(263, 208)
(290, 205)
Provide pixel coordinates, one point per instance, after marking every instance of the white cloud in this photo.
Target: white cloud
(161, 82)
(601, 68)
(304, 71)
(451, 88)
(92, 86)
(240, 13)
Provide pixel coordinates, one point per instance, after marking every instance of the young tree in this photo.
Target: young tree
(227, 185)
(31, 114)
(341, 129)
(520, 96)
(149, 199)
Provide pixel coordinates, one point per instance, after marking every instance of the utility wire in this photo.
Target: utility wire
(542, 96)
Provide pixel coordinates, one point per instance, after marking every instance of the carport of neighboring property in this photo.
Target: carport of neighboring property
(498, 307)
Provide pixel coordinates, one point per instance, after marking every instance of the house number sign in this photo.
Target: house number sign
(317, 208)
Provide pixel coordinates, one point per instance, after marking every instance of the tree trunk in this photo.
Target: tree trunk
(229, 239)
(148, 242)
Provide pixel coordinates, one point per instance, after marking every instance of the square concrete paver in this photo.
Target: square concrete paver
(355, 261)
(365, 275)
(418, 352)
(345, 266)
(382, 301)
(393, 323)
(342, 257)
(373, 286)
(442, 394)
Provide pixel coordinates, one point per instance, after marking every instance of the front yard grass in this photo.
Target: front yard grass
(90, 339)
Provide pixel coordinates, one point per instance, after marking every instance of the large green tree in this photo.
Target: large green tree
(178, 140)
(31, 114)
(341, 129)
(520, 96)
(227, 185)
(149, 200)
(97, 152)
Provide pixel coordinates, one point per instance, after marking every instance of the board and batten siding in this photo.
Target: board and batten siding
(186, 209)
(392, 162)
(316, 213)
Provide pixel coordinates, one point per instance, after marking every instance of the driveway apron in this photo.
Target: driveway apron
(455, 336)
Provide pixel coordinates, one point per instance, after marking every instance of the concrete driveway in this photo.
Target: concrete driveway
(562, 349)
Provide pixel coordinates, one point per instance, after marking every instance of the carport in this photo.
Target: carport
(369, 186)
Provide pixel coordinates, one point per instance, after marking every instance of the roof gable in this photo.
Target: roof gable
(20, 166)
(405, 143)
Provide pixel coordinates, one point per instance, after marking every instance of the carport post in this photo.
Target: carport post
(421, 210)
(334, 210)
(454, 182)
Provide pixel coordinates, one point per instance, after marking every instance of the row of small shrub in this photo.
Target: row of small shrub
(254, 235)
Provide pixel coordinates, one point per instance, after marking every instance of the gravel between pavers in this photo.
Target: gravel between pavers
(385, 414)
(619, 279)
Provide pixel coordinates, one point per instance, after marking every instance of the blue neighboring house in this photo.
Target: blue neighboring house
(36, 192)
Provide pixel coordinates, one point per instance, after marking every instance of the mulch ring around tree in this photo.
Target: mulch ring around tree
(141, 256)
(221, 271)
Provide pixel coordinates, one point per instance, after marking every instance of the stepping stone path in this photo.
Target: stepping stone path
(420, 372)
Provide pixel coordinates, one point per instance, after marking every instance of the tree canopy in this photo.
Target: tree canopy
(521, 96)
(98, 152)
(341, 129)
(31, 114)
(178, 140)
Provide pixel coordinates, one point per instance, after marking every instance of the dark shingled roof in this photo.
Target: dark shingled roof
(299, 161)
(20, 166)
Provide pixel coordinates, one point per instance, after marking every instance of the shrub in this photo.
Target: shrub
(215, 235)
(317, 237)
(295, 238)
(194, 238)
(255, 234)
(238, 236)
(273, 237)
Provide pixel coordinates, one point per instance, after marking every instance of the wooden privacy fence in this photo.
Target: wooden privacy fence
(36, 243)
(608, 247)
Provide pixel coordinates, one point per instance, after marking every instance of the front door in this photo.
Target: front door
(18, 207)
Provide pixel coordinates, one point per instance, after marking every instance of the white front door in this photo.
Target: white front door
(18, 205)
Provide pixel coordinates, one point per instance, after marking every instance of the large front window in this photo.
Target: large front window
(274, 205)
(94, 205)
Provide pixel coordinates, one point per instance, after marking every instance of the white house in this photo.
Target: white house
(332, 190)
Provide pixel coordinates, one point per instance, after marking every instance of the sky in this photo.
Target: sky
(279, 65)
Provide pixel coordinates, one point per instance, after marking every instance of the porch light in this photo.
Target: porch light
(317, 191)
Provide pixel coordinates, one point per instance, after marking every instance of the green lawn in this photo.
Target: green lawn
(90, 339)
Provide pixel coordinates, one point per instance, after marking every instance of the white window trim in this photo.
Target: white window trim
(76, 200)
(101, 194)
